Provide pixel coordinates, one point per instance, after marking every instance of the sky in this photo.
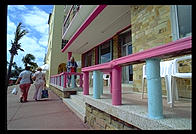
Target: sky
(34, 18)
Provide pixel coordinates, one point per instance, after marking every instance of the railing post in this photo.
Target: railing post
(65, 80)
(155, 105)
(86, 83)
(116, 85)
(81, 81)
(73, 81)
(96, 84)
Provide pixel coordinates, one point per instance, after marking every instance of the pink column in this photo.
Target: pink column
(86, 83)
(81, 82)
(69, 55)
(64, 80)
(110, 82)
(116, 85)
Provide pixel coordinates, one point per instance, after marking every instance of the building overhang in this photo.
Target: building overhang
(107, 22)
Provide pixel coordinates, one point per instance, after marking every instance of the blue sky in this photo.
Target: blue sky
(34, 18)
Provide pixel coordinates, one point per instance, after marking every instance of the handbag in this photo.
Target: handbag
(14, 91)
(44, 93)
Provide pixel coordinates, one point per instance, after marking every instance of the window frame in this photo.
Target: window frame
(175, 23)
(111, 51)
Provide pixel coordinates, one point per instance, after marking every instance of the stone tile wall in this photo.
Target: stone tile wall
(100, 120)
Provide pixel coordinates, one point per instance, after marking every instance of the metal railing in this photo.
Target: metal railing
(74, 9)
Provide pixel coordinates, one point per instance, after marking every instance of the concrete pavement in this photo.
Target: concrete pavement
(49, 114)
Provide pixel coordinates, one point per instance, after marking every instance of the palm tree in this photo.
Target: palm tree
(16, 45)
(28, 59)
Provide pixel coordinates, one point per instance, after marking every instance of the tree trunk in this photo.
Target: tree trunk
(10, 66)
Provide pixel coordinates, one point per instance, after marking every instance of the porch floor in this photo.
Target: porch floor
(178, 117)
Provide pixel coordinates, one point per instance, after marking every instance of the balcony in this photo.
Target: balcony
(74, 19)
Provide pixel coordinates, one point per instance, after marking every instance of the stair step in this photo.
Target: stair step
(77, 109)
(79, 99)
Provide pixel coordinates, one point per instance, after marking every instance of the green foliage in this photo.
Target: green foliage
(28, 60)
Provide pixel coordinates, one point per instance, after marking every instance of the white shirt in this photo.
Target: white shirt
(25, 75)
(39, 76)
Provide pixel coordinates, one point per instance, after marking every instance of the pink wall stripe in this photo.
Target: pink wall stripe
(93, 15)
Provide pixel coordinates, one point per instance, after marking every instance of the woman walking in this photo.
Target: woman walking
(25, 83)
(39, 83)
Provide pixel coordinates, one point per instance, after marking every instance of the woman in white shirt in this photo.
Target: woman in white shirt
(25, 83)
(39, 83)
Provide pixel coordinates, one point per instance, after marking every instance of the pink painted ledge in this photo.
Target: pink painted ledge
(66, 73)
(172, 49)
(92, 16)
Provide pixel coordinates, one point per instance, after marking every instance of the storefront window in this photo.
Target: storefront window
(105, 52)
(126, 49)
(88, 59)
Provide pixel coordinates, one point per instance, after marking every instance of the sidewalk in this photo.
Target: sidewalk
(49, 114)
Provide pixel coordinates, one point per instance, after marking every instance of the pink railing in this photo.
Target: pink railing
(61, 79)
(175, 48)
(172, 49)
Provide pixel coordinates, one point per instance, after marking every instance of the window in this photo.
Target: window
(105, 52)
(181, 21)
(88, 59)
(126, 49)
(64, 42)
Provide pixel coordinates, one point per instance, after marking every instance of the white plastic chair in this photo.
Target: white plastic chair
(177, 74)
(108, 79)
(165, 72)
(169, 70)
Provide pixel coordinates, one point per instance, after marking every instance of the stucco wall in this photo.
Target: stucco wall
(55, 56)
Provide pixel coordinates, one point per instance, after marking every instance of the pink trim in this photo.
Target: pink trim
(97, 67)
(120, 31)
(93, 15)
(64, 74)
(69, 55)
(176, 48)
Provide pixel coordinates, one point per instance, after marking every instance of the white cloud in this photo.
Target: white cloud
(36, 22)
(44, 40)
(11, 27)
(15, 7)
(37, 19)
